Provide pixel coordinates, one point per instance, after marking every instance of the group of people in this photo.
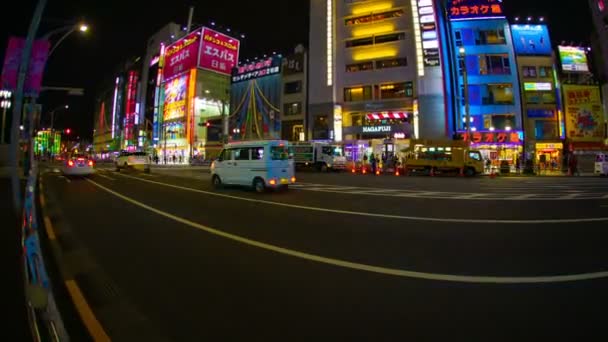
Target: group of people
(377, 163)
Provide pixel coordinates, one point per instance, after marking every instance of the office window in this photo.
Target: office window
(545, 129)
(529, 71)
(544, 71)
(548, 97)
(497, 94)
(391, 63)
(357, 119)
(491, 37)
(360, 42)
(494, 64)
(293, 87)
(500, 122)
(396, 90)
(361, 93)
(391, 37)
(366, 19)
(532, 97)
(293, 108)
(360, 67)
(458, 38)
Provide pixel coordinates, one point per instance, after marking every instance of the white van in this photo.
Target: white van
(260, 164)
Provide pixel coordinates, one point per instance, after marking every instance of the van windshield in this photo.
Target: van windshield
(279, 153)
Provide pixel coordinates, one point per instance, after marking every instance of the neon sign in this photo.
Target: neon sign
(475, 9)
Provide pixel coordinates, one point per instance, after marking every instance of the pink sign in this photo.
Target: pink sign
(182, 56)
(219, 52)
(12, 60)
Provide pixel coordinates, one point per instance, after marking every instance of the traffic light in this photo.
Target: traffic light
(68, 131)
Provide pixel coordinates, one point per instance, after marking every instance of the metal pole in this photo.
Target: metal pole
(190, 14)
(3, 124)
(23, 69)
(61, 40)
(465, 81)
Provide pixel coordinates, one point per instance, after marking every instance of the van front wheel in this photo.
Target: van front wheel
(258, 185)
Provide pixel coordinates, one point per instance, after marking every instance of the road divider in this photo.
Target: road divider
(359, 266)
(376, 215)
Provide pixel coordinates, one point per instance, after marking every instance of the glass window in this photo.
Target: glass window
(396, 90)
(293, 87)
(494, 65)
(529, 71)
(360, 42)
(545, 129)
(362, 93)
(532, 97)
(279, 153)
(391, 63)
(364, 19)
(544, 71)
(241, 154)
(391, 37)
(359, 67)
(225, 155)
(497, 94)
(293, 108)
(491, 37)
(257, 153)
(475, 155)
(548, 97)
(357, 119)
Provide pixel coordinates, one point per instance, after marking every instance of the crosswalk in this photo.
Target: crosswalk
(522, 192)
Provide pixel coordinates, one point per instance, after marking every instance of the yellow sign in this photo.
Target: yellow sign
(549, 146)
(584, 115)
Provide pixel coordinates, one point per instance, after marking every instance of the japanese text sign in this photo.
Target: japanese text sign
(494, 137)
(219, 52)
(472, 9)
(181, 56)
(265, 67)
(584, 114)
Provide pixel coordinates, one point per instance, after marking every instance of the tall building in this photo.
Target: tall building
(484, 98)
(363, 74)
(295, 95)
(599, 12)
(544, 128)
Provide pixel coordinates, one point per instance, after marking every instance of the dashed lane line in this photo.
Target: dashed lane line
(359, 266)
(104, 176)
(366, 214)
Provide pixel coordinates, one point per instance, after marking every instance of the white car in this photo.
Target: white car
(132, 160)
(78, 165)
(258, 164)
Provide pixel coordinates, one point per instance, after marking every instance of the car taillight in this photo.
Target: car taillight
(70, 163)
(90, 163)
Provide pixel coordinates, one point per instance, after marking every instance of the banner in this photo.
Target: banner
(219, 52)
(12, 60)
(584, 115)
(181, 56)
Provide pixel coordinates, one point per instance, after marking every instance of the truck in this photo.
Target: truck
(442, 156)
(318, 155)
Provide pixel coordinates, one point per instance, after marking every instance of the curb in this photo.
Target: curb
(87, 316)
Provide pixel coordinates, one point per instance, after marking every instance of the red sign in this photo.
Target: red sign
(219, 52)
(507, 137)
(12, 60)
(182, 56)
(471, 9)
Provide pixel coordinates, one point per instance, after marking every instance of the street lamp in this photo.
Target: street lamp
(465, 83)
(69, 29)
(5, 103)
(66, 107)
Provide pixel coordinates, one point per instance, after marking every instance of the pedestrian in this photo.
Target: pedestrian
(174, 159)
(373, 163)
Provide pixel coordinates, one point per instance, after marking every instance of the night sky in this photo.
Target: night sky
(119, 30)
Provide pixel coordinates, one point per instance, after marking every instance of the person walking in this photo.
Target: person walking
(373, 163)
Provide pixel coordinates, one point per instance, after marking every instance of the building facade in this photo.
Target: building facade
(294, 100)
(599, 13)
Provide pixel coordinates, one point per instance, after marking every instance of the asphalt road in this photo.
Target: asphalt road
(346, 257)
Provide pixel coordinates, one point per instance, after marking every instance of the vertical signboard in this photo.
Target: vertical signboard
(428, 29)
(219, 52)
(176, 92)
(181, 56)
(12, 60)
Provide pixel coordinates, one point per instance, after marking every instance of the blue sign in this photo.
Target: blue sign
(541, 113)
(531, 40)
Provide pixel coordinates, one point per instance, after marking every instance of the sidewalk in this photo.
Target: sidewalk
(14, 304)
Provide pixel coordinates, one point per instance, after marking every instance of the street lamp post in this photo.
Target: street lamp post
(69, 29)
(465, 82)
(53, 115)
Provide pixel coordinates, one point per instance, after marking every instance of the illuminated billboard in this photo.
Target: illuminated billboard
(265, 67)
(219, 52)
(584, 115)
(531, 40)
(176, 92)
(573, 58)
(181, 56)
(537, 86)
(475, 9)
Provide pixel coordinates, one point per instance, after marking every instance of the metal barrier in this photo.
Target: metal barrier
(42, 307)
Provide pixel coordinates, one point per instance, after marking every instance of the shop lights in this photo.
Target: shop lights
(373, 7)
(330, 43)
(418, 38)
(373, 30)
(374, 53)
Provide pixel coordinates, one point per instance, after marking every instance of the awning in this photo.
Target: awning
(386, 115)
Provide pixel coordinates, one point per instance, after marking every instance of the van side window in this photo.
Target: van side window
(226, 154)
(241, 153)
(257, 153)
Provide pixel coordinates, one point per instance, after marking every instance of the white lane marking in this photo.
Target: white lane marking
(359, 266)
(104, 176)
(365, 214)
(66, 179)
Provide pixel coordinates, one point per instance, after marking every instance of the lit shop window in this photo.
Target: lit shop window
(544, 71)
(491, 37)
(365, 66)
(379, 39)
(497, 94)
(395, 90)
(293, 108)
(494, 65)
(529, 71)
(391, 63)
(361, 93)
(375, 17)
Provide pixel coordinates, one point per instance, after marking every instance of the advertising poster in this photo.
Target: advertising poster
(176, 92)
(573, 58)
(219, 52)
(531, 40)
(12, 60)
(584, 116)
(182, 56)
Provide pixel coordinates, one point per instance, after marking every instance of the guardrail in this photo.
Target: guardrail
(41, 305)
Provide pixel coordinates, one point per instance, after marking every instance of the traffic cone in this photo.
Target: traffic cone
(461, 173)
(364, 171)
(432, 173)
(396, 172)
(354, 171)
(377, 172)
(569, 171)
